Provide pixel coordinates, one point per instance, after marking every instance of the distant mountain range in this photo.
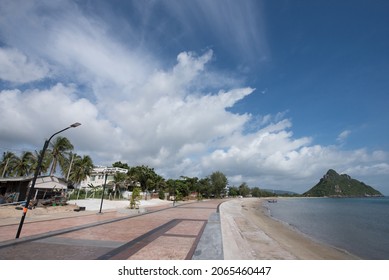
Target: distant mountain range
(281, 192)
(335, 185)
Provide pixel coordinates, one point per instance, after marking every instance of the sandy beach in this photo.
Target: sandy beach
(11, 215)
(249, 233)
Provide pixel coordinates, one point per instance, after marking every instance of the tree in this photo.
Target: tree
(171, 187)
(192, 182)
(233, 191)
(68, 165)
(81, 168)
(144, 175)
(135, 197)
(244, 189)
(59, 150)
(119, 164)
(159, 183)
(182, 189)
(6, 164)
(161, 194)
(219, 183)
(120, 182)
(23, 165)
(256, 192)
(45, 163)
(205, 187)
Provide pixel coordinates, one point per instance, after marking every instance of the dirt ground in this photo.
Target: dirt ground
(11, 215)
(12, 212)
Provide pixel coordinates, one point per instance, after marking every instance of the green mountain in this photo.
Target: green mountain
(334, 185)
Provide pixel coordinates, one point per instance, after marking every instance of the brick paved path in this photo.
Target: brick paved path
(171, 233)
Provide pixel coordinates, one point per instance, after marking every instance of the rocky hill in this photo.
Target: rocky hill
(335, 185)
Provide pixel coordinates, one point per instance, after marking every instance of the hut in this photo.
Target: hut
(46, 187)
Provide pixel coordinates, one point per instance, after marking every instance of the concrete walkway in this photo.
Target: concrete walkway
(190, 230)
(210, 246)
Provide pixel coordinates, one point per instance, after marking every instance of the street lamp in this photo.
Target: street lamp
(37, 172)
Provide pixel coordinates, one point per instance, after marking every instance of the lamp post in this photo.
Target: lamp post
(37, 172)
(107, 171)
(175, 194)
(102, 196)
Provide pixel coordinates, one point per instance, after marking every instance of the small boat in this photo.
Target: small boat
(272, 200)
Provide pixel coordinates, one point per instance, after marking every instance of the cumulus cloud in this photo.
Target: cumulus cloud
(29, 116)
(135, 108)
(16, 67)
(156, 125)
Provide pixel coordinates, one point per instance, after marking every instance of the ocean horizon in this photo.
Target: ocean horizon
(359, 226)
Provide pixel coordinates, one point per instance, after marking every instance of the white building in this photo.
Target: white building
(97, 177)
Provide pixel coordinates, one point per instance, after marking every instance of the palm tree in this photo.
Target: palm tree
(58, 151)
(121, 181)
(24, 165)
(82, 167)
(45, 163)
(68, 165)
(6, 164)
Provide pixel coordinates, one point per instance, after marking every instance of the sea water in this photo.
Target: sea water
(357, 225)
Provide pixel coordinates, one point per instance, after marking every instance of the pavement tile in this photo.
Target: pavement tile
(169, 233)
(165, 248)
(187, 228)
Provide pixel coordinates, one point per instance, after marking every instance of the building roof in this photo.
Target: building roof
(108, 170)
(16, 179)
(50, 182)
(42, 182)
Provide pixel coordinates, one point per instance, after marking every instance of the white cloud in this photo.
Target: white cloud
(366, 170)
(30, 116)
(154, 126)
(226, 19)
(18, 68)
(174, 118)
(343, 135)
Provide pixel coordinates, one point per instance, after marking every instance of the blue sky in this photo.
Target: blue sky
(272, 93)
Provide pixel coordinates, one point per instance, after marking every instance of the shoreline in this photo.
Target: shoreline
(250, 233)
